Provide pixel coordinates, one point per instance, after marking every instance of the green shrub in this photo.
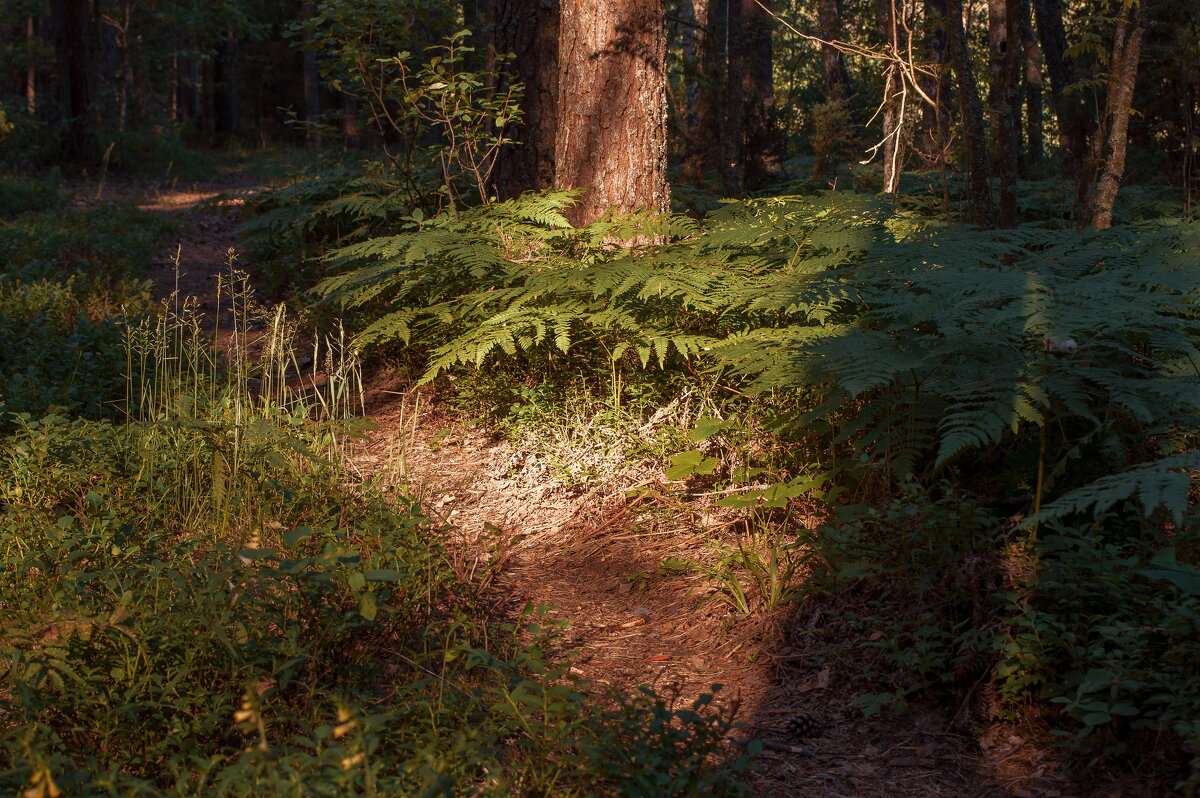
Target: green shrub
(63, 346)
(20, 194)
(1109, 631)
(909, 587)
(286, 636)
(159, 153)
(104, 243)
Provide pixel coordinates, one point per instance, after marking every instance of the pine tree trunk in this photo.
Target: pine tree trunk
(894, 33)
(732, 122)
(829, 135)
(935, 117)
(1034, 149)
(763, 146)
(1072, 133)
(701, 71)
(311, 77)
(612, 123)
(73, 56)
(1004, 102)
(971, 113)
(30, 87)
(1112, 137)
(529, 30)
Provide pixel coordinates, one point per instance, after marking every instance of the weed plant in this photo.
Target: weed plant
(201, 603)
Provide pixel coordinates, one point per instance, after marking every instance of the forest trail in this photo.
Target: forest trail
(593, 557)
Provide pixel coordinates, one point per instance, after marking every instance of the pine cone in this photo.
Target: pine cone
(801, 726)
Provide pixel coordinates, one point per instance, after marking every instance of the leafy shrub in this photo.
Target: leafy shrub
(286, 635)
(62, 347)
(907, 591)
(159, 153)
(105, 243)
(1107, 630)
(20, 194)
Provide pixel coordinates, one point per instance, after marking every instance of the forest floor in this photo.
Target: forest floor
(592, 555)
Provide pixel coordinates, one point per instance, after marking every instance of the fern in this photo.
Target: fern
(928, 341)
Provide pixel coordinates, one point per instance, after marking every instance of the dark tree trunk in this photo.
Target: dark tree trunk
(971, 113)
(701, 74)
(830, 133)
(612, 123)
(351, 134)
(529, 30)
(30, 87)
(1071, 125)
(829, 24)
(225, 116)
(1034, 149)
(935, 116)
(732, 123)
(1112, 136)
(311, 77)
(1004, 101)
(73, 46)
(763, 146)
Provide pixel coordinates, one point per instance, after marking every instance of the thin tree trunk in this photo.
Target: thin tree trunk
(701, 71)
(829, 24)
(763, 146)
(732, 122)
(73, 55)
(1034, 147)
(225, 117)
(889, 18)
(612, 123)
(830, 131)
(529, 30)
(1112, 137)
(935, 117)
(971, 113)
(351, 134)
(311, 77)
(30, 72)
(1003, 102)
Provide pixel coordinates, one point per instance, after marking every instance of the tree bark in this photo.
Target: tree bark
(830, 134)
(971, 112)
(1034, 148)
(73, 54)
(701, 75)
(311, 77)
(529, 30)
(763, 146)
(225, 79)
(1072, 131)
(935, 117)
(894, 33)
(612, 123)
(732, 122)
(30, 87)
(1004, 106)
(1112, 137)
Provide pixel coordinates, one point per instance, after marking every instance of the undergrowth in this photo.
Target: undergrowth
(943, 376)
(201, 601)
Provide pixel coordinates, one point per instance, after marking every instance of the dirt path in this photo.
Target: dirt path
(593, 553)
